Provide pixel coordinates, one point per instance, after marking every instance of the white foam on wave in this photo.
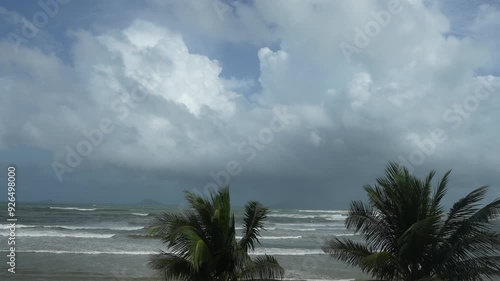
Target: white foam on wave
(73, 209)
(258, 251)
(140, 214)
(60, 234)
(299, 229)
(280, 237)
(90, 252)
(286, 252)
(329, 216)
(311, 229)
(266, 228)
(96, 227)
(326, 225)
(324, 211)
(7, 226)
(294, 216)
(68, 227)
(275, 237)
(333, 217)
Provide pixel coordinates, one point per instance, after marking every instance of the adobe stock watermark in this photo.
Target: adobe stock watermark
(372, 28)
(121, 107)
(220, 8)
(248, 148)
(30, 29)
(454, 116)
(311, 262)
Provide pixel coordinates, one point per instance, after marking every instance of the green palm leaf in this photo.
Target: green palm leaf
(202, 246)
(263, 268)
(255, 214)
(408, 237)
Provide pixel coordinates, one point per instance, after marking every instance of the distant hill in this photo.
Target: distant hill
(149, 202)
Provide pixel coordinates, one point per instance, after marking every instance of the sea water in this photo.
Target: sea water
(107, 242)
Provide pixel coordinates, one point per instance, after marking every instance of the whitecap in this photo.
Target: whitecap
(276, 237)
(73, 209)
(60, 234)
(7, 226)
(96, 227)
(286, 252)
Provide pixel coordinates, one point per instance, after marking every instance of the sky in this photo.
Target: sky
(293, 103)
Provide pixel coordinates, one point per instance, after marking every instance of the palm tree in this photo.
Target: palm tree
(408, 236)
(203, 246)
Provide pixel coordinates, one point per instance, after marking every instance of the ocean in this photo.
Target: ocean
(106, 242)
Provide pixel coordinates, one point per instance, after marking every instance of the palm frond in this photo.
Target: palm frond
(364, 219)
(253, 223)
(347, 251)
(263, 268)
(464, 207)
(172, 267)
(407, 236)
(440, 193)
(202, 244)
(198, 251)
(476, 219)
(222, 206)
(412, 243)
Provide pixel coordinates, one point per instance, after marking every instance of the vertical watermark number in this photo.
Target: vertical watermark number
(11, 218)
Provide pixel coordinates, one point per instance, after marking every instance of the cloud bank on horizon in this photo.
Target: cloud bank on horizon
(296, 103)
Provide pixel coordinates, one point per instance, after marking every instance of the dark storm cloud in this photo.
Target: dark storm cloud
(300, 126)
